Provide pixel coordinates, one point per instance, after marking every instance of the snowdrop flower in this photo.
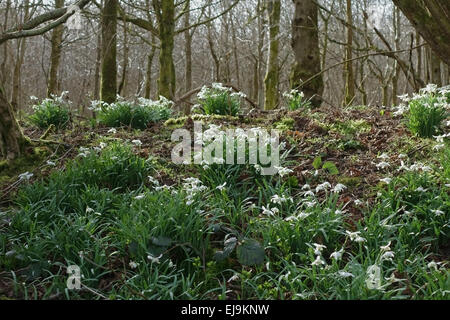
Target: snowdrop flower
(153, 181)
(103, 145)
(306, 187)
(439, 147)
(383, 165)
(319, 261)
(310, 204)
(318, 248)
(89, 210)
(337, 255)
(403, 167)
(154, 259)
(430, 88)
(323, 186)
(276, 199)
(233, 278)
(26, 176)
(133, 265)
(283, 171)
(267, 211)
(339, 188)
(358, 202)
(345, 274)
(402, 156)
(433, 265)
(137, 142)
(386, 180)
(275, 210)
(388, 255)
(421, 189)
(355, 236)
(51, 163)
(384, 156)
(221, 187)
(438, 212)
(140, 197)
(386, 247)
(404, 97)
(112, 131)
(291, 218)
(303, 215)
(308, 194)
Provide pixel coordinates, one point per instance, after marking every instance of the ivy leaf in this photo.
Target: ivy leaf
(250, 253)
(317, 163)
(229, 246)
(331, 167)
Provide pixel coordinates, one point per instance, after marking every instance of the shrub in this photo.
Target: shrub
(51, 111)
(296, 100)
(219, 100)
(427, 111)
(137, 116)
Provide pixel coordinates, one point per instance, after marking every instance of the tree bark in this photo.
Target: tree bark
(271, 96)
(108, 91)
(349, 95)
(431, 19)
(12, 140)
(305, 43)
(435, 64)
(55, 55)
(165, 12)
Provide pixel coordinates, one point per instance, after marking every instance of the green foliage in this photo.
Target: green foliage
(136, 116)
(327, 165)
(51, 111)
(297, 101)
(427, 112)
(219, 100)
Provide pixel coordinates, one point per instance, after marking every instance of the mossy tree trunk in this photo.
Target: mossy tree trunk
(435, 65)
(165, 12)
(12, 140)
(431, 20)
(55, 55)
(148, 79)
(271, 96)
(108, 90)
(349, 76)
(305, 43)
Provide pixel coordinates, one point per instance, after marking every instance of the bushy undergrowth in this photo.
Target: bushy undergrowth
(296, 100)
(427, 111)
(226, 231)
(136, 116)
(218, 100)
(51, 111)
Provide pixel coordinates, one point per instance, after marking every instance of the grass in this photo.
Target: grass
(140, 228)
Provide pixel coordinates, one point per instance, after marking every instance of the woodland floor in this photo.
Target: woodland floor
(353, 139)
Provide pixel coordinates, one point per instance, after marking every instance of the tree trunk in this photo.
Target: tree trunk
(55, 55)
(21, 47)
(123, 79)
(12, 140)
(271, 80)
(349, 96)
(188, 48)
(305, 43)
(165, 11)
(435, 64)
(108, 91)
(431, 20)
(148, 78)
